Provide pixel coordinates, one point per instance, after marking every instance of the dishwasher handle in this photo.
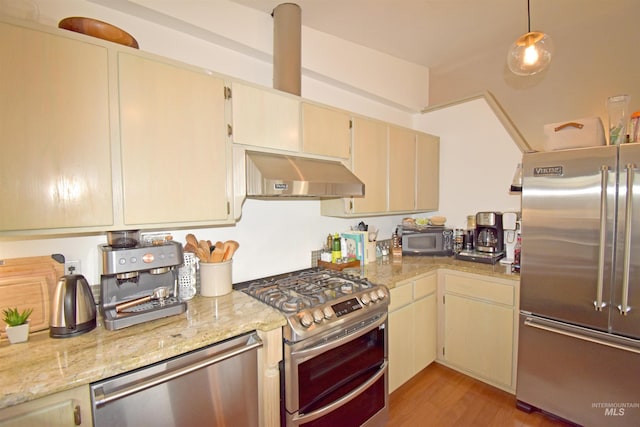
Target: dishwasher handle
(101, 399)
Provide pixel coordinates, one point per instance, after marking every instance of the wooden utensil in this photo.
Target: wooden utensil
(192, 239)
(230, 247)
(217, 255)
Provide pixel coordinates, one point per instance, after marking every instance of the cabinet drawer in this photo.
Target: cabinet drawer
(481, 289)
(401, 295)
(424, 286)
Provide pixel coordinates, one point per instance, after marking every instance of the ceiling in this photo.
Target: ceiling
(437, 33)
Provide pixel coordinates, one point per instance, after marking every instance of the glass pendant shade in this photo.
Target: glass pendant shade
(530, 53)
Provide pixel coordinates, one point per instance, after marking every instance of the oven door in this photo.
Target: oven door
(339, 378)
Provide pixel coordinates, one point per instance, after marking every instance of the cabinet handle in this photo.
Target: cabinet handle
(229, 130)
(77, 416)
(624, 302)
(599, 304)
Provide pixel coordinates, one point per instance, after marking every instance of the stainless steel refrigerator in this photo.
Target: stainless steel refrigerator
(579, 330)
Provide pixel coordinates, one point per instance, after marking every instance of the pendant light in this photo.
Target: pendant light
(531, 52)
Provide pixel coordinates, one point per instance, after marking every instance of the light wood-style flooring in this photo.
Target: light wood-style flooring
(439, 396)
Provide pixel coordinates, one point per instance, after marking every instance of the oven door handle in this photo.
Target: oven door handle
(307, 353)
(305, 418)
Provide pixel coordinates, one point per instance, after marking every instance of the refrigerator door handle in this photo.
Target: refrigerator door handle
(574, 332)
(599, 304)
(624, 308)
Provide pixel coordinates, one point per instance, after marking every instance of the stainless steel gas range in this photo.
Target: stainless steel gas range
(335, 365)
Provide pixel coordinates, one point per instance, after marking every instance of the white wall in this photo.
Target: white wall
(277, 236)
(477, 160)
(595, 57)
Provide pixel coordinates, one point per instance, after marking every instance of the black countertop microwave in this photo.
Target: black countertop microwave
(435, 241)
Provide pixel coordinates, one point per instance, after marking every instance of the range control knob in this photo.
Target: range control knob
(318, 315)
(328, 312)
(381, 294)
(374, 296)
(365, 299)
(306, 319)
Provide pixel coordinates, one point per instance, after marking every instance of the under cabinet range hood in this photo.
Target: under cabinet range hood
(277, 175)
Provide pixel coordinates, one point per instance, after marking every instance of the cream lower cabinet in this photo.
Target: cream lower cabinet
(55, 167)
(478, 327)
(65, 409)
(173, 144)
(412, 328)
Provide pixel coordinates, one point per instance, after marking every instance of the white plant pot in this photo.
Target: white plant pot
(18, 333)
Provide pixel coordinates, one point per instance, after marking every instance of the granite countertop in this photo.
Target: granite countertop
(45, 365)
(388, 272)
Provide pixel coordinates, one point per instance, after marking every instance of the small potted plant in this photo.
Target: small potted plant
(17, 324)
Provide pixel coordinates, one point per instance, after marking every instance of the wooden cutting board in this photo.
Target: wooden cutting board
(29, 283)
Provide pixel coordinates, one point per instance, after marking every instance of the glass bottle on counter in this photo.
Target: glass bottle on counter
(336, 252)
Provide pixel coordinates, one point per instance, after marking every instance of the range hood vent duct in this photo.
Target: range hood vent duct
(287, 48)
(272, 175)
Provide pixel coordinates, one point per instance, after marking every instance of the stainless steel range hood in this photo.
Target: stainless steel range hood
(276, 175)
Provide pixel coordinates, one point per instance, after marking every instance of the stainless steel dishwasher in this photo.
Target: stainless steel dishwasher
(213, 386)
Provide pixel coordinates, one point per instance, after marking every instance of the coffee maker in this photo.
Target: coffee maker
(489, 233)
(139, 283)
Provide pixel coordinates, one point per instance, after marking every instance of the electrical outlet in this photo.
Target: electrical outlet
(72, 267)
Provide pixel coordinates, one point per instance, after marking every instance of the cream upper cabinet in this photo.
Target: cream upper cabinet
(427, 172)
(65, 409)
(479, 327)
(370, 164)
(55, 168)
(265, 118)
(412, 328)
(326, 131)
(402, 169)
(173, 143)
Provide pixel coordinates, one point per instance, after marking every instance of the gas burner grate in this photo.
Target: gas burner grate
(305, 289)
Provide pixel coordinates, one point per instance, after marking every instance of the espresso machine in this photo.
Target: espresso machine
(489, 239)
(139, 283)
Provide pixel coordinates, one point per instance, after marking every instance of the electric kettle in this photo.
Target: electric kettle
(73, 309)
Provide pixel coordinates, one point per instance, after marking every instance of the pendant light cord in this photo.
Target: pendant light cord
(528, 16)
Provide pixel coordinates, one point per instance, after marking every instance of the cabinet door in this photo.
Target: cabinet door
(265, 118)
(370, 164)
(425, 324)
(326, 131)
(174, 153)
(478, 337)
(55, 168)
(65, 409)
(400, 346)
(428, 172)
(402, 169)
